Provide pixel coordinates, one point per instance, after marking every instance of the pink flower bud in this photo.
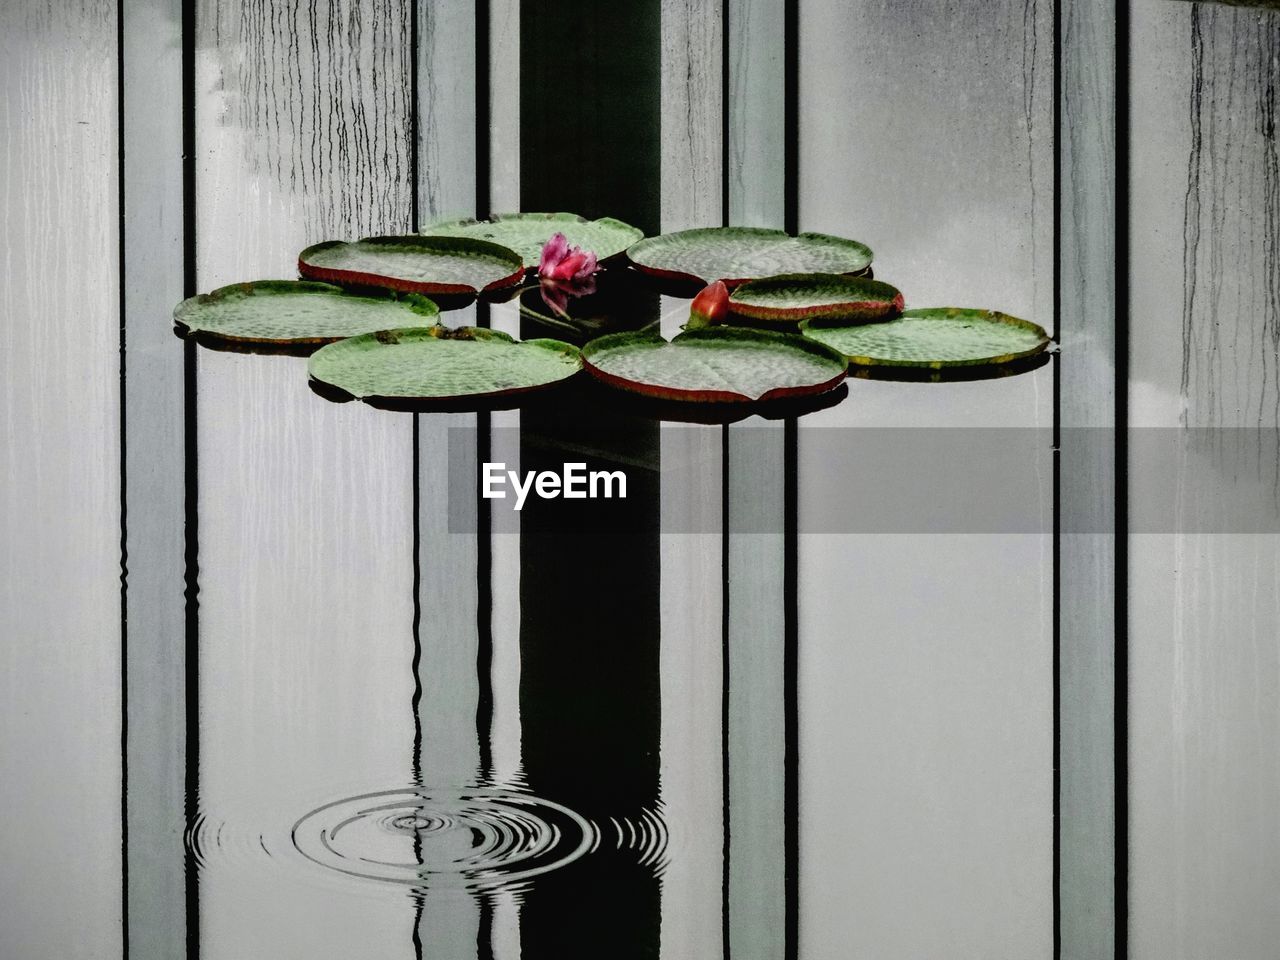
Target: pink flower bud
(711, 305)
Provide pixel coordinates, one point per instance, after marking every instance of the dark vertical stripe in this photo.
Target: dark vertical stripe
(415, 126)
(192, 647)
(791, 115)
(483, 145)
(191, 493)
(1056, 654)
(590, 109)
(725, 97)
(790, 693)
(724, 683)
(726, 100)
(484, 435)
(416, 896)
(415, 132)
(590, 698)
(415, 760)
(484, 936)
(416, 628)
(590, 631)
(590, 626)
(791, 223)
(1056, 109)
(484, 597)
(415, 224)
(189, 147)
(124, 497)
(1121, 720)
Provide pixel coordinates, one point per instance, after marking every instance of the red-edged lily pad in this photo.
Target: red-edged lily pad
(295, 312)
(414, 264)
(934, 338)
(800, 296)
(715, 365)
(738, 254)
(439, 363)
(528, 233)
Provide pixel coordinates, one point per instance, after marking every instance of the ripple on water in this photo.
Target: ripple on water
(647, 836)
(480, 839)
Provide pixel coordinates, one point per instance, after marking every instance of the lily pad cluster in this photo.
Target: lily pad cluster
(768, 296)
(777, 316)
(361, 312)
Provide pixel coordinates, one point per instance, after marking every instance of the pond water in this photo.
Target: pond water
(793, 697)
(596, 727)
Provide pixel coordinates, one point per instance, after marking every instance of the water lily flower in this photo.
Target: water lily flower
(565, 273)
(561, 262)
(710, 306)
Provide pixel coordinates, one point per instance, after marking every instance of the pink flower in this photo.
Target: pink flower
(561, 262)
(565, 273)
(710, 306)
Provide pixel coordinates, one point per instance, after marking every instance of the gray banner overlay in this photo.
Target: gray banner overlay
(913, 481)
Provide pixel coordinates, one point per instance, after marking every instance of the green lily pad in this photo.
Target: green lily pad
(295, 312)
(439, 363)
(413, 264)
(800, 296)
(937, 337)
(738, 254)
(528, 233)
(715, 365)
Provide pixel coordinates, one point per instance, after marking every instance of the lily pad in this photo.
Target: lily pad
(715, 365)
(799, 296)
(440, 363)
(413, 264)
(295, 312)
(527, 233)
(937, 337)
(738, 254)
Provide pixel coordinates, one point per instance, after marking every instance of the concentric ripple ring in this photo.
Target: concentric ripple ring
(473, 838)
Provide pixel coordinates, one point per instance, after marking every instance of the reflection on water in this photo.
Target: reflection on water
(384, 739)
(589, 690)
(619, 300)
(641, 795)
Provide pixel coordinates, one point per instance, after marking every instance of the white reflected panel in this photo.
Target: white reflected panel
(926, 703)
(926, 131)
(691, 788)
(59, 481)
(306, 549)
(1205, 662)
